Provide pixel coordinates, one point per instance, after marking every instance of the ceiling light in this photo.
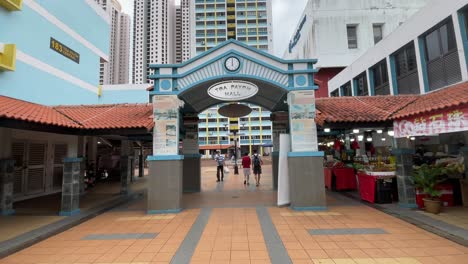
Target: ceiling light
(360, 137)
(355, 131)
(369, 139)
(383, 139)
(391, 133)
(379, 131)
(412, 138)
(327, 130)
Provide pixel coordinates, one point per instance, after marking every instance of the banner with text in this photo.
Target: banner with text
(454, 120)
(166, 125)
(302, 124)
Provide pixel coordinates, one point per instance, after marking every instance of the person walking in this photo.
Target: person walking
(246, 161)
(220, 166)
(257, 163)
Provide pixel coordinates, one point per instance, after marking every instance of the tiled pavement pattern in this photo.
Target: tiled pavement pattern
(457, 216)
(232, 235)
(403, 243)
(70, 246)
(347, 231)
(239, 233)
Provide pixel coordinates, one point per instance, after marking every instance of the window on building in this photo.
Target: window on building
(352, 36)
(378, 32)
(380, 73)
(335, 93)
(361, 84)
(406, 70)
(442, 61)
(346, 89)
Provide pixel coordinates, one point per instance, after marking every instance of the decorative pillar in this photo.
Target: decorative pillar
(125, 166)
(192, 164)
(404, 151)
(71, 187)
(305, 163)
(7, 168)
(280, 126)
(166, 166)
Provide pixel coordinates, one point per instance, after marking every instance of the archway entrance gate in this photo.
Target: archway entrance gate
(232, 72)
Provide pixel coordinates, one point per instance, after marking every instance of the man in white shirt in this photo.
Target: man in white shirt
(220, 166)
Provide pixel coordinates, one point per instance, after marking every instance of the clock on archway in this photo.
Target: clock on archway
(232, 64)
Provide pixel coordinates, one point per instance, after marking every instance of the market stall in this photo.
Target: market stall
(338, 177)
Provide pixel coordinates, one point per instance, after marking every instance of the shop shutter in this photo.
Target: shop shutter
(382, 90)
(36, 167)
(409, 84)
(452, 68)
(17, 150)
(35, 180)
(60, 152)
(435, 74)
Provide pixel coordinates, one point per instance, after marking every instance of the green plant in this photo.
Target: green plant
(426, 178)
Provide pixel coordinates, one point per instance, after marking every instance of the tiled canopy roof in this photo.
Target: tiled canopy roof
(363, 109)
(118, 116)
(360, 108)
(15, 109)
(449, 97)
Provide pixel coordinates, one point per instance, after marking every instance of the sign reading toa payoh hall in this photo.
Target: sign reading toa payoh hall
(233, 90)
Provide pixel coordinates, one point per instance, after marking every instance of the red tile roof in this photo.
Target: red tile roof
(114, 116)
(25, 111)
(444, 98)
(359, 108)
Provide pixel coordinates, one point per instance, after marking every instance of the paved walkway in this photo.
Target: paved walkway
(244, 231)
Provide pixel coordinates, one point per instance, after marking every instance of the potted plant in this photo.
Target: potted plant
(426, 178)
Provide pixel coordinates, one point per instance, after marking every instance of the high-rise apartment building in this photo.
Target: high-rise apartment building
(116, 71)
(153, 36)
(250, 22)
(217, 21)
(183, 27)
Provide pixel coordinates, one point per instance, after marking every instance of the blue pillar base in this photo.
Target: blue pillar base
(170, 211)
(407, 205)
(309, 208)
(7, 212)
(69, 213)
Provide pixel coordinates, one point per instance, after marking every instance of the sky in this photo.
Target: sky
(286, 14)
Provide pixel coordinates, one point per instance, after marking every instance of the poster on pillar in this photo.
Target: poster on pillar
(166, 124)
(302, 124)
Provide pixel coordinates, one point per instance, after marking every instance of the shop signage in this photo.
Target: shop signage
(297, 35)
(64, 50)
(233, 90)
(454, 120)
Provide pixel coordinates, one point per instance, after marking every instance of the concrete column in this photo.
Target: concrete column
(306, 181)
(7, 168)
(71, 187)
(305, 163)
(280, 126)
(141, 171)
(82, 154)
(404, 151)
(192, 173)
(464, 182)
(165, 184)
(274, 165)
(125, 166)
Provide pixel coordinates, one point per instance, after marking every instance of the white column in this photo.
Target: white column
(417, 50)
(460, 46)
(390, 77)
(368, 81)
